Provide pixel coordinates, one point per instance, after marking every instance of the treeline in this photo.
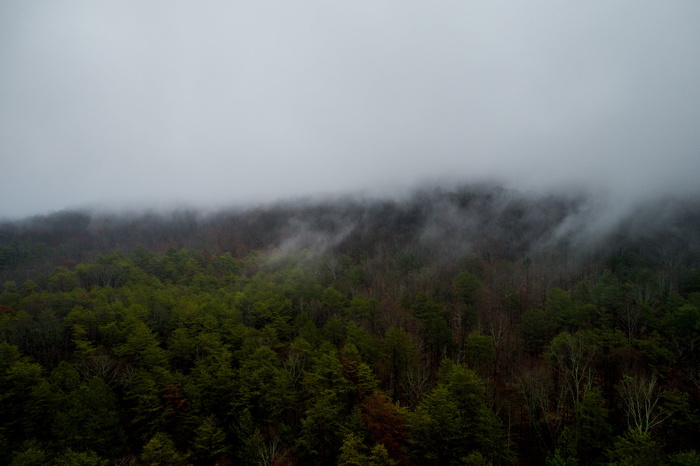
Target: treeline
(498, 221)
(477, 326)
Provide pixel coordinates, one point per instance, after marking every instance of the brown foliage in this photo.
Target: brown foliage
(384, 424)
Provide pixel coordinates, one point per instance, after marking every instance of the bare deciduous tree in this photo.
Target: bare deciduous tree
(415, 384)
(641, 398)
(573, 357)
(536, 389)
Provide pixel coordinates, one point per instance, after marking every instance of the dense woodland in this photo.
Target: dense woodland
(468, 326)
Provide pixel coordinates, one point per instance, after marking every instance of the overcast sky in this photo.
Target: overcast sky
(218, 102)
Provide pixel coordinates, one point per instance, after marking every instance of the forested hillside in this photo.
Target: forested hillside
(468, 326)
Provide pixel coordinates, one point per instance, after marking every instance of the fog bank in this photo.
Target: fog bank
(168, 103)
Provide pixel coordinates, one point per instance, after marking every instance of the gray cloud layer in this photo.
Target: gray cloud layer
(219, 102)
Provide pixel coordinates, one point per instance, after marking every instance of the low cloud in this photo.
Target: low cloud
(163, 104)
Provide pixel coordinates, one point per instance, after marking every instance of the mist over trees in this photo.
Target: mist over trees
(470, 325)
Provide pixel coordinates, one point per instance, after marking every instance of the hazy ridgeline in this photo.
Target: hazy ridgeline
(437, 226)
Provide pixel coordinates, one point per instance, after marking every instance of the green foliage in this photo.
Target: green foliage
(354, 453)
(561, 313)
(398, 355)
(686, 458)
(467, 288)
(438, 337)
(31, 453)
(264, 388)
(25, 398)
(427, 309)
(62, 279)
(209, 440)
(479, 350)
(608, 293)
(80, 458)
(453, 420)
(565, 453)
(64, 378)
(475, 458)
(160, 451)
(362, 340)
(351, 452)
(635, 448)
(594, 430)
(682, 327)
(141, 346)
(567, 313)
(90, 416)
(537, 328)
(434, 429)
(360, 307)
(319, 438)
(384, 353)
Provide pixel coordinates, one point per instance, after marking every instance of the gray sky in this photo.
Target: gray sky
(217, 102)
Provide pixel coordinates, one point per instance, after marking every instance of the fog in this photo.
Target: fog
(169, 103)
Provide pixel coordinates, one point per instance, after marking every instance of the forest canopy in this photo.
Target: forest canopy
(469, 326)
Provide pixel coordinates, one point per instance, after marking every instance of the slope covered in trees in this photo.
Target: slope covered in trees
(470, 326)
